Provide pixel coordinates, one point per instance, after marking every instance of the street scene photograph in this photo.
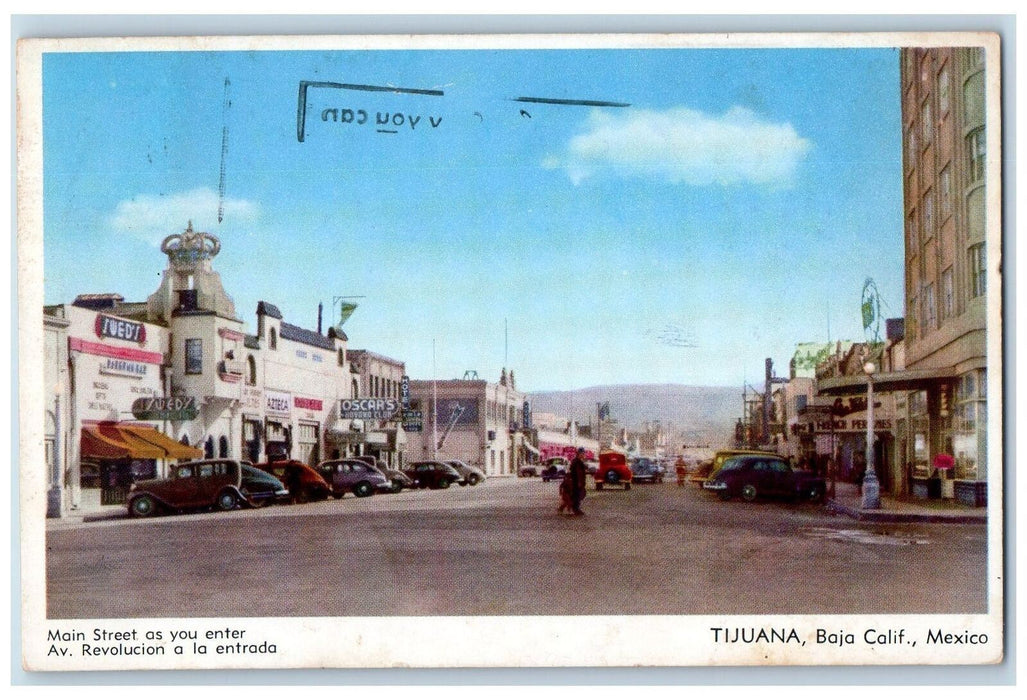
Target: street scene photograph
(412, 336)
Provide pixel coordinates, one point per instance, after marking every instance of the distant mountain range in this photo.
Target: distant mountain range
(691, 414)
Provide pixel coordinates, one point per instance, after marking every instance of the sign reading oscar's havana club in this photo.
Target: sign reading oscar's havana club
(368, 409)
(175, 408)
(120, 329)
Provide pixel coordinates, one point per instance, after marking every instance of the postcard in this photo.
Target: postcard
(510, 351)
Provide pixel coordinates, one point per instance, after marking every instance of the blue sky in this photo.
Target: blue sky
(733, 210)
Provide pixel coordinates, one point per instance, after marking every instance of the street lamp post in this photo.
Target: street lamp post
(871, 486)
(55, 497)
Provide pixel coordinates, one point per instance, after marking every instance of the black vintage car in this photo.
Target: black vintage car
(432, 475)
(645, 470)
(755, 476)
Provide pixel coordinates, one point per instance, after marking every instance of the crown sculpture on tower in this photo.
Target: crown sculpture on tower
(190, 247)
(189, 268)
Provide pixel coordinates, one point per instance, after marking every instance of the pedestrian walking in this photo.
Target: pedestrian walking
(566, 489)
(680, 470)
(577, 473)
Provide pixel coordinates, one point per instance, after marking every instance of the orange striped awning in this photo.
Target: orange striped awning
(111, 441)
(168, 447)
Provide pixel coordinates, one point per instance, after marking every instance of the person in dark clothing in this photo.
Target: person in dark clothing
(577, 473)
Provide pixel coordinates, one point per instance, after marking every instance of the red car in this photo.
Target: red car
(298, 477)
(613, 471)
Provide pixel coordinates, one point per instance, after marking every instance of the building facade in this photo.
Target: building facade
(945, 154)
(474, 420)
(382, 378)
(138, 386)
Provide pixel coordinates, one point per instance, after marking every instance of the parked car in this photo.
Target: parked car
(299, 477)
(215, 483)
(644, 470)
(469, 476)
(353, 476)
(591, 466)
(554, 468)
(754, 476)
(705, 469)
(399, 480)
(554, 472)
(613, 471)
(432, 475)
(528, 470)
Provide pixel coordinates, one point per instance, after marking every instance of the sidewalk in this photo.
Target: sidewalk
(848, 501)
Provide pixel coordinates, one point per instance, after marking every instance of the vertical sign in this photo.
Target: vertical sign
(527, 414)
(404, 391)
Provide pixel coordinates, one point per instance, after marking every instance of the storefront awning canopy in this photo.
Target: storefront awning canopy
(530, 448)
(168, 447)
(132, 442)
(903, 380)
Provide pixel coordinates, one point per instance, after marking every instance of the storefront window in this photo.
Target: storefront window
(970, 429)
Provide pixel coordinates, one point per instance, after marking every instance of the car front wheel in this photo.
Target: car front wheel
(227, 500)
(443, 483)
(815, 493)
(143, 506)
(749, 493)
(362, 490)
(473, 480)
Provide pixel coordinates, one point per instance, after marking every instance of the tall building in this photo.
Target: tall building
(944, 156)
(477, 421)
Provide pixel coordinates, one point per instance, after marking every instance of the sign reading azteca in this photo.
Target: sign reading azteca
(368, 409)
(119, 328)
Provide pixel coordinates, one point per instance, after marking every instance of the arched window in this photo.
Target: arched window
(356, 389)
(272, 339)
(251, 370)
(208, 448)
(223, 446)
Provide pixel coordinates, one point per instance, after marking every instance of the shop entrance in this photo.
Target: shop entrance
(117, 476)
(308, 443)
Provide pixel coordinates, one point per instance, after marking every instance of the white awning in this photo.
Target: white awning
(530, 448)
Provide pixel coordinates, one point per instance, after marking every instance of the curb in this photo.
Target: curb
(891, 516)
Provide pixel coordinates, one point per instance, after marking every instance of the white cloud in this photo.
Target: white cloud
(152, 217)
(684, 145)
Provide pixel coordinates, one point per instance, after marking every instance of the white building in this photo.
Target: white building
(137, 386)
(473, 420)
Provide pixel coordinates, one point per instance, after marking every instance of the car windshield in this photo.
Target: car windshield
(732, 464)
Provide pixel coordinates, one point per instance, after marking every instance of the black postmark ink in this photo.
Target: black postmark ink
(569, 103)
(301, 109)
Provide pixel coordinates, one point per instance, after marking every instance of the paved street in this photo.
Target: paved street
(502, 549)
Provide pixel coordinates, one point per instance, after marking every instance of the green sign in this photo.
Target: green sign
(412, 421)
(176, 408)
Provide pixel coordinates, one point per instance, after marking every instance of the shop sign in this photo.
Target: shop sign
(277, 402)
(177, 408)
(368, 409)
(120, 329)
(251, 398)
(840, 425)
(123, 368)
(308, 404)
(413, 421)
(404, 390)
